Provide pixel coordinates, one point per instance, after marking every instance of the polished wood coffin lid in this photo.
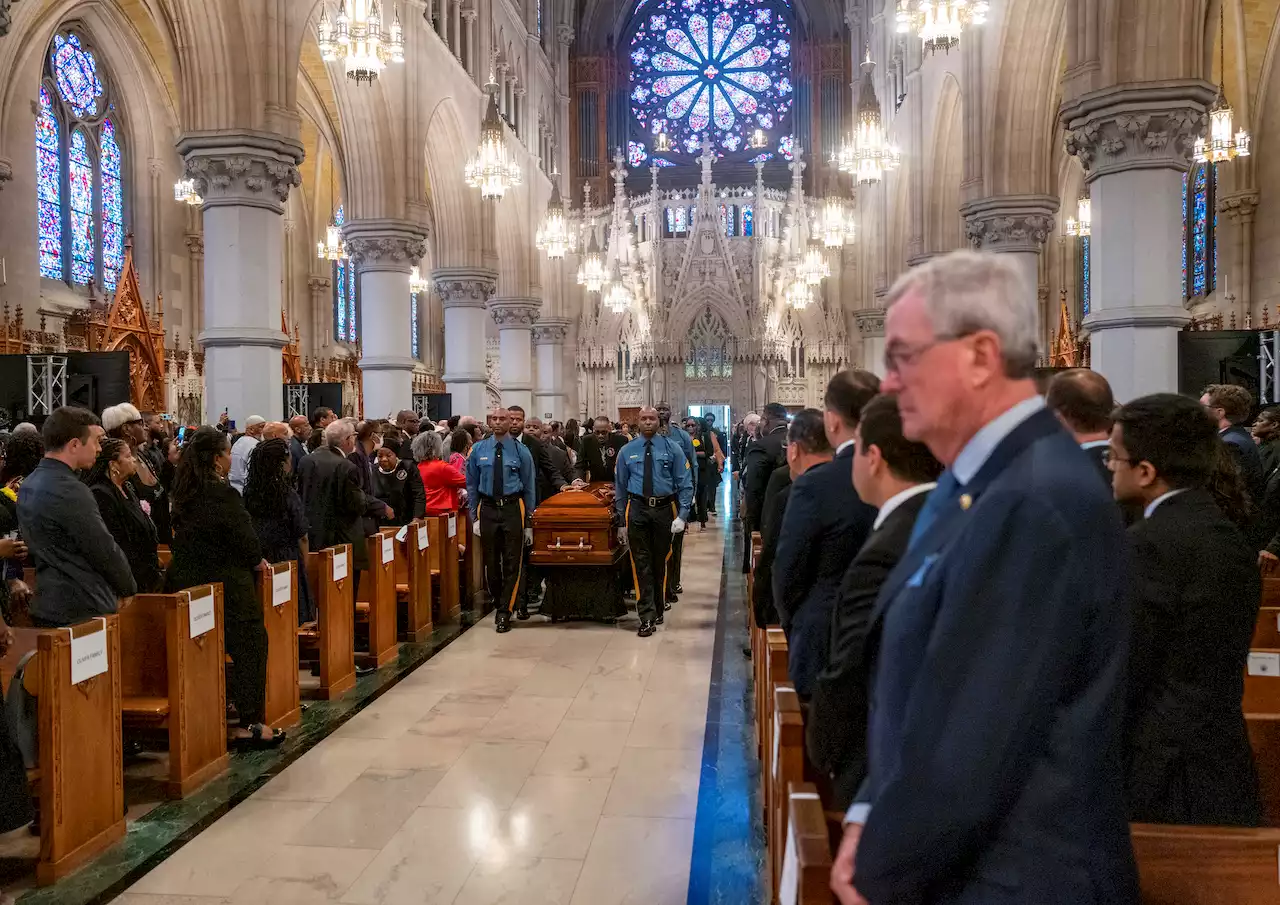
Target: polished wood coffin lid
(573, 528)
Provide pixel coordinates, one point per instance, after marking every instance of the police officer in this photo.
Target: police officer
(500, 493)
(681, 436)
(653, 486)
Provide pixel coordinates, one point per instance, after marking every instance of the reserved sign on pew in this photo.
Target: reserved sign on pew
(89, 655)
(453, 526)
(281, 586)
(423, 539)
(340, 565)
(200, 611)
(388, 549)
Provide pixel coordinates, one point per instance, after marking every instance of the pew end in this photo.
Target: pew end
(806, 865)
(1191, 865)
(278, 590)
(376, 604)
(413, 584)
(332, 636)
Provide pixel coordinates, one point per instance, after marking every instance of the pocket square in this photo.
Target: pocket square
(917, 578)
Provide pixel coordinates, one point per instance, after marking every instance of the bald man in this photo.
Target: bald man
(275, 430)
(300, 427)
(501, 492)
(1082, 400)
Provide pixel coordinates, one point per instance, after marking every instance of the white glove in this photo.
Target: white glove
(677, 526)
(622, 536)
(475, 527)
(528, 537)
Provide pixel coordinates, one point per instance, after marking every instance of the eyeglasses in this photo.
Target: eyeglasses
(898, 357)
(1108, 457)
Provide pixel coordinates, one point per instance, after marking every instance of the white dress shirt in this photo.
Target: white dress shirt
(897, 500)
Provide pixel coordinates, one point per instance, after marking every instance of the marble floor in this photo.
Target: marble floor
(552, 765)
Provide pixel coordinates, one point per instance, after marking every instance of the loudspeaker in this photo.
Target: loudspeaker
(439, 406)
(82, 390)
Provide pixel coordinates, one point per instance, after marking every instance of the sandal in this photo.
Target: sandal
(256, 741)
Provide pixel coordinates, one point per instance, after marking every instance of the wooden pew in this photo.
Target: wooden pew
(173, 679)
(329, 574)
(786, 766)
(443, 551)
(376, 605)
(278, 589)
(477, 597)
(79, 777)
(413, 583)
(805, 877)
(757, 544)
(1189, 865)
(165, 555)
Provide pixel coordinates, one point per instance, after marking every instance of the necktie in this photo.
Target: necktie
(499, 479)
(941, 496)
(647, 488)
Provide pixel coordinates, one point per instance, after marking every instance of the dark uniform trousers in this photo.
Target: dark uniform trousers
(502, 535)
(650, 541)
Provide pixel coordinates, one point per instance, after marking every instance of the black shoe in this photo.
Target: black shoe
(671, 598)
(660, 619)
(365, 670)
(746, 652)
(522, 613)
(501, 625)
(678, 589)
(646, 629)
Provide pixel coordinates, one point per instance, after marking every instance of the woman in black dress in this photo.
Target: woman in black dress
(278, 517)
(126, 518)
(214, 541)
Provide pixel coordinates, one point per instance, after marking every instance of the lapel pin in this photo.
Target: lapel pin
(965, 502)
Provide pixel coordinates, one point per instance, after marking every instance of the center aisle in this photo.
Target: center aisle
(553, 764)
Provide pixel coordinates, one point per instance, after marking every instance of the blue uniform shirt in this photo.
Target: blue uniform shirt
(681, 436)
(518, 478)
(672, 475)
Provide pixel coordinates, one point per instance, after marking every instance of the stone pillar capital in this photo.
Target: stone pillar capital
(870, 322)
(469, 14)
(1239, 206)
(464, 287)
(318, 284)
(514, 313)
(382, 244)
(564, 34)
(1009, 223)
(242, 169)
(195, 244)
(1138, 126)
(550, 331)
(6, 168)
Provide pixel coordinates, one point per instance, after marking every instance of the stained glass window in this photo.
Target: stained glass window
(719, 67)
(49, 188)
(1084, 275)
(637, 154)
(747, 220)
(79, 170)
(1199, 230)
(413, 324)
(344, 293)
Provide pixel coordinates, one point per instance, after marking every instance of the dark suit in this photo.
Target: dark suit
(329, 485)
(824, 527)
(548, 480)
(1241, 444)
(1195, 604)
(836, 729)
(1098, 456)
(775, 504)
(764, 454)
(596, 459)
(994, 734)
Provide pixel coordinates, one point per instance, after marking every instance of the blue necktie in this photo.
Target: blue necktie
(941, 496)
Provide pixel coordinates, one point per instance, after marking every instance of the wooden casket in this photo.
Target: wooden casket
(573, 528)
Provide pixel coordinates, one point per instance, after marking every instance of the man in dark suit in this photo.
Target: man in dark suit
(600, 450)
(1082, 400)
(763, 455)
(775, 504)
(824, 526)
(1195, 603)
(894, 475)
(1230, 406)
(1000, 641)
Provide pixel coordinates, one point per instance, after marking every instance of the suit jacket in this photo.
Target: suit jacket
(214, 540)
(775, 504)
(994, 735)
(596, 460)
(1240, 442)
(547, 479)
(329, 485)
(560, 464)
(824, 526)
(836, 730)
(764, 454)
(1196, 596)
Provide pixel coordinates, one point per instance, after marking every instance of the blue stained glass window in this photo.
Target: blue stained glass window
(341, 277)
(76, 72)
(1084, 275)
(762, 158)
(660, 162)
(786, 147)
(112, 207)
(80, 176)
(413, 323)
(1184, 235)
(748, 218)
(49, 188)
(637, 154)
(539, 3)
(715, 67)
(1199, 231)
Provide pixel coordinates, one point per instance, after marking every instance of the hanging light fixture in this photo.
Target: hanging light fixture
(1083, 225)
(358, 40)
(870, 153)
(940, 22)
(416, 283)
(1224, 143)
(332, 248)
(553, 235)
(662, 144)
(591, 272)
(184, 192)
(617, 297)
(798, 295)
(492, 170)
(835, 222)
(814, 268)
(758, 140)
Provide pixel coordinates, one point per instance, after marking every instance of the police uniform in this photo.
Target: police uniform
(681, 436)
(653, 486)
(501, 490)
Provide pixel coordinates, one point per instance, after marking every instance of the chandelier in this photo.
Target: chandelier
(492, 170)
(416, 283)
(798, 295)
(940, 22)
(553, 235)
(758, 140)
(357, 39)
(617, 297)
(184, 192)
(1083, 225)
(870, 154)
(837, 223)
(591, 272)
(814, 268)
(1225, 143)
(331, 249)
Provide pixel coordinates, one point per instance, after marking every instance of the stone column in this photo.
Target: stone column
(469, 39)
(1015, 225)
(1240, 207)
(455, 28)
(871, 330)
(245, 180)
(1134, 143)
(195, 277)
(321, 312)
(383, 252)
(463, 293)
(549, 334)
(515, 317)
